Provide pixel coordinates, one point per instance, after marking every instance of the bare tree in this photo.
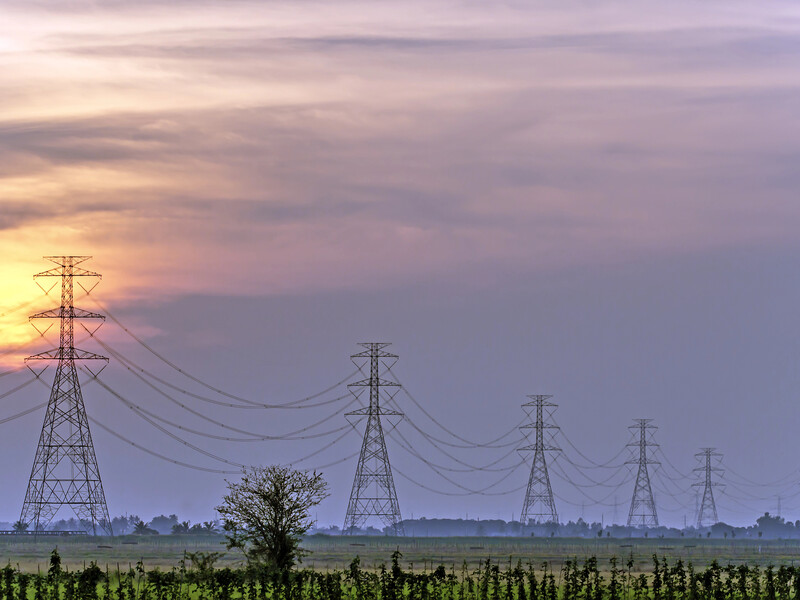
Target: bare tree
(266, 513)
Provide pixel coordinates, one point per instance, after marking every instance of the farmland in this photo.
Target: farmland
(336, 552)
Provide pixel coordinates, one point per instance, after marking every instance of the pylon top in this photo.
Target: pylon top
(374, 349)
(60, 260)
(539, 399)
(642, 423)
(67, 261)
(704, 451)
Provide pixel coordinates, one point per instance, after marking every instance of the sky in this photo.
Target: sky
(595, 200)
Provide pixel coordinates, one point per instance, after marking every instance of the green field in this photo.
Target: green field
(336, 552)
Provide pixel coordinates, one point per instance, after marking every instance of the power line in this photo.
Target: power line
(601, 502)
(468, 491)
(430, 440)
(746, 481)
(208, 386)
(558, 472)
(323, 449)
(24, 412)
(593, 464)
(676, 498)
(459, 494)
(158, 455)
(428, 436)
(441, 426)
(780, 491)
(661, 472)
(680, 473)
(233, 439)
(12, 371)
(408, 447)
(166, 432)
(184, 442)
(17, 388)
(18, 308)
(257, 435)
(593, 482)
(135, 368)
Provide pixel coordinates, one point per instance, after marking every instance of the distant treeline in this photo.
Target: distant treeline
(131, 525)
(765, 527)
(574, 580)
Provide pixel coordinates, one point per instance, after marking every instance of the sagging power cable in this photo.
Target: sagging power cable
(470, 443)
(592, 464)
(133, 367)
(157, 454)
(144, 416)
(206, 385)
(257, 435)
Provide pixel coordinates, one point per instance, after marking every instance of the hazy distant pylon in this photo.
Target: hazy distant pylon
(65, 468)
(643, 506)
(707, 514)
(373, 493)
(539, 505)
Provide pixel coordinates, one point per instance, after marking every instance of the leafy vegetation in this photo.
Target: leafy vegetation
(197, 579)
(266, 514)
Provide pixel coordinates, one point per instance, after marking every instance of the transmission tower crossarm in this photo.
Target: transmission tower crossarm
(366, 411)
(379, 381)
(76, 354)
(72, 261)
(534, 447)
(58, 313)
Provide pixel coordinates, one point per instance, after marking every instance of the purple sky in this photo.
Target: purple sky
(593, 200)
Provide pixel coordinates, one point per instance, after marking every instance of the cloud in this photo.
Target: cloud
(315, 153)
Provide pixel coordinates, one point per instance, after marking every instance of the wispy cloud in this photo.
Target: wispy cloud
(361, 148)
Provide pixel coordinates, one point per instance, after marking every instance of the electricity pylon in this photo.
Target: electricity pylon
(65, 468)
(539, 505)
(643, 507)
(707, 515)
(373, 493)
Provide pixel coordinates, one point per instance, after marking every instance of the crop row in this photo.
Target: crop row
(197, 579)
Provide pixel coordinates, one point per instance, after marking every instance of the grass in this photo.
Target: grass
(336, 552)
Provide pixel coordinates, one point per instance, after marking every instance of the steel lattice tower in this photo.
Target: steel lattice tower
(643, 507)
(65, 468)
(707, 515)
(373, 493)
(539, 505)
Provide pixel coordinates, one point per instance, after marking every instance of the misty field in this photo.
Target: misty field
(419, 554)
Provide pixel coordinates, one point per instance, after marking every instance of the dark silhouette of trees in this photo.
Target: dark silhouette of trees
(20, 526)
(141, 528)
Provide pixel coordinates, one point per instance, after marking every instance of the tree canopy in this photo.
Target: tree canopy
(266, 513)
